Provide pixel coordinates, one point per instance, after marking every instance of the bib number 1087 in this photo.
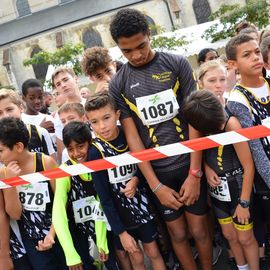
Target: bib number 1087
(161, 109)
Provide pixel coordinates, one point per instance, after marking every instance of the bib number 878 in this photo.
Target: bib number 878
(31, 197)
(160, 110)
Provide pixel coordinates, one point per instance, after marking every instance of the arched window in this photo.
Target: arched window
(202, 10)
(23, 8)
(40, 70)
(92, 38)
(152, 25)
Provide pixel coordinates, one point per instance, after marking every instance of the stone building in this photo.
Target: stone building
(29, 26)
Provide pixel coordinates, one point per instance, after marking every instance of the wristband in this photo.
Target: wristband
(155, 190)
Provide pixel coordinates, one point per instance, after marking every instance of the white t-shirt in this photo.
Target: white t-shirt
(65, 156)
(261, 93)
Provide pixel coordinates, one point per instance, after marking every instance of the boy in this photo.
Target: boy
(98, 65)
(64, 81)
(149, 90)
(11, 105)
(32, 93)
(249, 102)
(35, 224)
(123, 201)
(67, 113)
(231, 191)
(72, 217)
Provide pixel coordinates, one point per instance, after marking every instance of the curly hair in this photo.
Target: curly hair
(128, 22)
(95, 58)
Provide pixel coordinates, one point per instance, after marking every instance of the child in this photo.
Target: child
(98, 65)
(212, 76)
(11, 105)
(32, 92)
(207, 54)
(67, 113)
(35, 224)
(124, 203)
(265, 49)
(249, 102)
(231, 192)
(75, 200)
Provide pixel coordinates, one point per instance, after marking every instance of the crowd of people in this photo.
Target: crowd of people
(171, 210)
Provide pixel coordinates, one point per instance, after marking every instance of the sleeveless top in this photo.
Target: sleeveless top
(134, 211)
(80, 189)
(36, 223)
(37, 142)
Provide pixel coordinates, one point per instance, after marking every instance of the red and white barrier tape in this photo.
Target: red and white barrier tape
(174, 149)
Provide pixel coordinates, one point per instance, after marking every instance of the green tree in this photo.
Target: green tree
(255, 11)
(68, 54)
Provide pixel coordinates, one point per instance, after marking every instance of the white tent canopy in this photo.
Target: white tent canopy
(191, 34)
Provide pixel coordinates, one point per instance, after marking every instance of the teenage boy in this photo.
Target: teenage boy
(35, 223)
(32, 93)
(40, 140)
(249, 102)
(98, 65)
(123, 200)
(149, 91)
(64, 81)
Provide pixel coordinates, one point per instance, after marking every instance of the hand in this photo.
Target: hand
(47, 125)
(102, 86)
(190, 190)
(131, 187)
(169, 197)
(128, 242)
(13, 169)
(242, 214)
(6, 263)
(78, 266)
(45, 244)
(103, 257)
(212, 178)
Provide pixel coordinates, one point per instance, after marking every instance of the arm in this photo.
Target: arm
(12, 202)
(5, 260)
(166, 195)
(261, 161)
(244, 155)
(190, 190)
(60, 221)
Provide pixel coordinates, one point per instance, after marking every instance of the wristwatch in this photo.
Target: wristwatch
(244, 203)
(196, 172)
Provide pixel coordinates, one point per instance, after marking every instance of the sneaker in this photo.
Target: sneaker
(216, 254)
(232, 264)
(264, 264)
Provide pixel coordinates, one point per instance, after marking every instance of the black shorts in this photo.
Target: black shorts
(146, 233)
(175, 180)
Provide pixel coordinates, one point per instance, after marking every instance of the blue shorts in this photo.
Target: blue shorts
(146, 233)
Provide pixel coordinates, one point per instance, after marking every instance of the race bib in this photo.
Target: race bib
(157, 108)
(34, 197)
(88, 209)
(221, 192)
(122, 173)
(266, 121)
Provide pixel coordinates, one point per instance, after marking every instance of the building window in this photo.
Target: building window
(23, 8)
(40, 70)
(152, 25)
(92, 38)
(202, 10)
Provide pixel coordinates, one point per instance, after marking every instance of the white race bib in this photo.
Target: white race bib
(34, 197)
(157, 108)
(88, 209)
(122, 173)
(221, 192)
(266, 121)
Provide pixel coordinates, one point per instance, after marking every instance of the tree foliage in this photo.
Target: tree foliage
(168, 43)
(255, 11)
(69, 54)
